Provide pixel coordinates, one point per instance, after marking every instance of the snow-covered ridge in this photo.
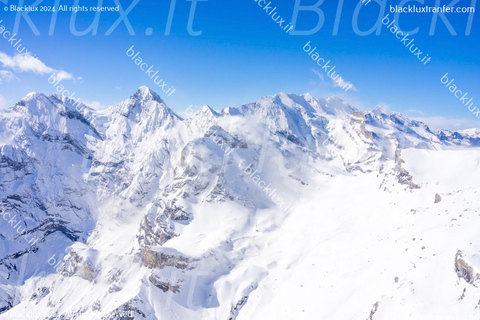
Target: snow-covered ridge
(139, 212)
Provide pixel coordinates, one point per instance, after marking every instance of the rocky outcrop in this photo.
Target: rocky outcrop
(155, 232)
(367, 134)
(76, 265)
(464, 269)
(129, 311)
(163, 284)
(373, 311)
(154, 259)
(237, 307)
(403, 176)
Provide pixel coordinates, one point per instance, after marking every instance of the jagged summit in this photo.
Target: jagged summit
(32, 95)
(144, 93)
(206, 109)
(143, 101)
(38, 104)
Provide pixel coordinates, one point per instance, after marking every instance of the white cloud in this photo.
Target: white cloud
(6, 76)
(21, 63)
(340, 82)
(95, 105)
(416, 111)
(26, 63)
(62, 75)
(438, 123)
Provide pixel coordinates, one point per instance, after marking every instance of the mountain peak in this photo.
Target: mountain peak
(32, 95)
(145, 104)
(34, 103)
(379, 110)
(145, 93)
(207, 110)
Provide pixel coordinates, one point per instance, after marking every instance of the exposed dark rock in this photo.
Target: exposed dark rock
(464, 270)
(153, 259)
(373, 311)
(163, 285)
(403, 176)
(74, 264)
(236, 308)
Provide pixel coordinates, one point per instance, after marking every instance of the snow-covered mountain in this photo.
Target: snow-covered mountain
(287, 208)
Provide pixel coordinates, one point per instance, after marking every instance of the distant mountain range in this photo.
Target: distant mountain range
(140, 214)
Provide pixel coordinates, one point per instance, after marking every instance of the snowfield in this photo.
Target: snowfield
(147, 217)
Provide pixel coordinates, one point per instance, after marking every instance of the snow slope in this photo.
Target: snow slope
(286, 208)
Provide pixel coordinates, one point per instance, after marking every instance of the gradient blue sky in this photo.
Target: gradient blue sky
(243, 55)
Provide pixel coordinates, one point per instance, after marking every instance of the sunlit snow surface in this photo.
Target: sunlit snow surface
(154, 220)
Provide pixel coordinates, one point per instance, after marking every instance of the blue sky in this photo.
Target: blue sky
(242, 55)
